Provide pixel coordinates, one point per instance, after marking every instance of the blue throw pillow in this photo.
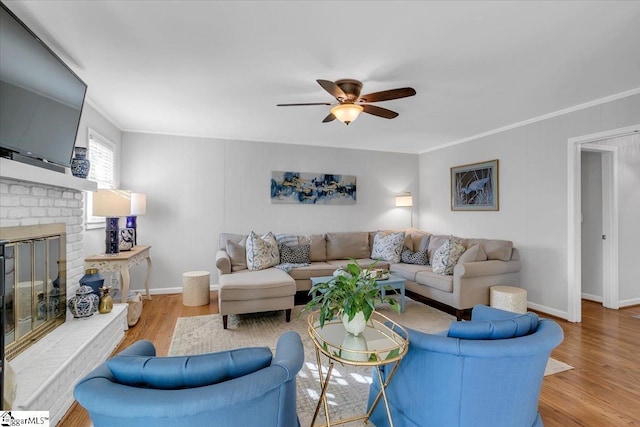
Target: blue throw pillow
(517, 326)
(170, 373)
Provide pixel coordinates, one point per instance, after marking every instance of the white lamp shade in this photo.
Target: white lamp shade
(406, 200)
(111, 203)
(138, 204)
(346, 113)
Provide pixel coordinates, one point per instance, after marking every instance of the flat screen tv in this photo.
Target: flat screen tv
(41, 98)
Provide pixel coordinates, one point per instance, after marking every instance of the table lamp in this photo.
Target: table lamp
(112, 204)
(138, 207)
(406, 200)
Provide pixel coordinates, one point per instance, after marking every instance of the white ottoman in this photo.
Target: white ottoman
(509, 298)
(195, 288)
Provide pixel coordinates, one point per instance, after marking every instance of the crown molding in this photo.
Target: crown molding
(562, 112)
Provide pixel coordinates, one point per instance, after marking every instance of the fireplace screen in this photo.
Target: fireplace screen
(35, 284)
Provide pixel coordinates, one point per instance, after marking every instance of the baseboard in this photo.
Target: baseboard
(594, 298)
(629, 302)
(548, 310)
(621, 304)
(166, 291)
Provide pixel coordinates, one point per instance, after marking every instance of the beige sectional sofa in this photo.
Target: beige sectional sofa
(457, 293)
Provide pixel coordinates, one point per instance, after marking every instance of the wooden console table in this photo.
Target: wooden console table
(122, 262)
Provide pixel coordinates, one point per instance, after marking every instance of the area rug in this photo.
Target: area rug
(349, 387)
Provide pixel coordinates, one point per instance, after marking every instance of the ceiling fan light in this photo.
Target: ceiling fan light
(347, 113)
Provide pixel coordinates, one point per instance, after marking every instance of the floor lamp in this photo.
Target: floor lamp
(406, 200)
(112, 204)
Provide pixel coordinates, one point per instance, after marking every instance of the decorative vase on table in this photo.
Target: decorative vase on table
(80, 164)
(356, 325)
(93, 279)
(84, 303)
(106, 302)
(354, 347)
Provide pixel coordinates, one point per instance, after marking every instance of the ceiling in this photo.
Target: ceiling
(218, 68)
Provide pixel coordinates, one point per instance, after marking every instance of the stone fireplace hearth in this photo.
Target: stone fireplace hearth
(46, 372)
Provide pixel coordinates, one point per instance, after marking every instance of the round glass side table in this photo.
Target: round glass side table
(383, 342)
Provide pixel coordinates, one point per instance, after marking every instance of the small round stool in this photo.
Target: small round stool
(509, 298)
(195, 288)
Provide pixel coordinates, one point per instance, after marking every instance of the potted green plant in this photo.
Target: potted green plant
(352, 293)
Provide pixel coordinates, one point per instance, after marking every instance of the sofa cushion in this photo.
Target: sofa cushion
(347, 245)
(362, 262)
(474, 253)
(408, 271)
(442, 282)
(294, 254)
(251, 285)
(315, 269)
(495, 249)
(517, 326)
(387, 246)
(262, 251)
(318, 243)
(408, 256)
(446, 257)
(237, 254)
(420, 241)
(170, 373)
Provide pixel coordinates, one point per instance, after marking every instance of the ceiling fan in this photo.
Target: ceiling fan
(351, 103)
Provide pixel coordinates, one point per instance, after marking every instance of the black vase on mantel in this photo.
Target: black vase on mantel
(80, 164)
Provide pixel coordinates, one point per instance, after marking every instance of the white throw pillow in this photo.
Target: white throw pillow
(388, 246)
(237, 254)
(262, 252)
(447, 256)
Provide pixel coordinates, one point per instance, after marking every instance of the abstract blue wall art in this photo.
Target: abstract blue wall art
(313, 188)
(475, 187)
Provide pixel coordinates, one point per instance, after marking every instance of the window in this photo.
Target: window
(102, 157)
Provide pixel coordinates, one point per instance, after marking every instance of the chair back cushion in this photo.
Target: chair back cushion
(518, 326)
(170, 373)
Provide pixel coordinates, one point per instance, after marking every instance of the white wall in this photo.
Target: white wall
(198, 187)
(92, 118)
(591, 200)
(533, 194)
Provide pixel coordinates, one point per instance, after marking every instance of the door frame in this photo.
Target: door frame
(610, 229)
(610, 218)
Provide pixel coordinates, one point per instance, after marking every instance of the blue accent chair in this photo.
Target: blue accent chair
(486, 372)
(243, 387)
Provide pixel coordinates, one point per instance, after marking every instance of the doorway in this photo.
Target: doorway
(599, 228)
(610, 214)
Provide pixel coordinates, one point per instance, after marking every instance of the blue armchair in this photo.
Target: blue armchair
(483, 373)
(244, 387)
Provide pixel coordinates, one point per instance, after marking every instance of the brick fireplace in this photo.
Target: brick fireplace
(45, 373)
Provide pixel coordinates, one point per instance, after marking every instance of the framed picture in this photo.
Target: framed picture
(313, 188)
(474, 187)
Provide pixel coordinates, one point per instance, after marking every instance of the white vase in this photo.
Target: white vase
(356, 325)
(355, 348)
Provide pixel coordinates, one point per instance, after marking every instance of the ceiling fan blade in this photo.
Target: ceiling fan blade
(387, 95)
(329, 118)
(333, 89)
(306, 103)
(379, 111)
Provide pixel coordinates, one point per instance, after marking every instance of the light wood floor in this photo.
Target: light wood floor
(602, 390)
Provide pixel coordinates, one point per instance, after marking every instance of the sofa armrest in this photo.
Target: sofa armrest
(223, 262)
(485, 268)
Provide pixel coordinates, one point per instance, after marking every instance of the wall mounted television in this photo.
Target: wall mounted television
(41, 98)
